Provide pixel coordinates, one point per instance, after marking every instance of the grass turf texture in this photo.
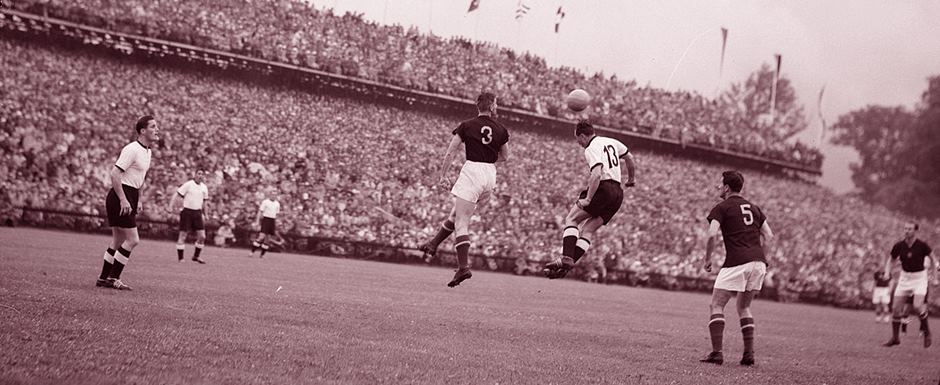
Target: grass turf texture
(351, 321)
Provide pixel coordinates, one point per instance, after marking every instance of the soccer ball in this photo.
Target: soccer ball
(578, 100)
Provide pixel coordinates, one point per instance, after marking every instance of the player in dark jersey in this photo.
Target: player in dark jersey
(912, 282)
(747, 236)
(486, 142)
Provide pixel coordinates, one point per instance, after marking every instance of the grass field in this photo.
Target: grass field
(350, 321)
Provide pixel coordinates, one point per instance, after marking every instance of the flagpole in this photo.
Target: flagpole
(822, 119)
(773, 91)
(721, 64)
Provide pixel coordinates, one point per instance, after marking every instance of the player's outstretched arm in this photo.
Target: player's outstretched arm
(175, 198)
(631, 169)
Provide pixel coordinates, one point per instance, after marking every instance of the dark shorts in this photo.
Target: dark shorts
(191, 220)
(267, 225)
(607, 200)
(113, 208)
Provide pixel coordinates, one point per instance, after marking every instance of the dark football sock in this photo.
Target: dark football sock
(108, 263)
(462, 244)
(716, 327)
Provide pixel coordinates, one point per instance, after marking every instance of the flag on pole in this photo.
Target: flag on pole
(560, 15)
(822, 119)
(721, 64)
(773, 88)
(521, 10)
(474, 4)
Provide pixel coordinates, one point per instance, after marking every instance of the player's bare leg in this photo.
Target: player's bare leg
(429, 248)
(716, 324)
(747, 326)
(200, 243)
(117, 237)
(181, 245)
(122, 256)
(463, 209)
(899, 301)
(920, 305)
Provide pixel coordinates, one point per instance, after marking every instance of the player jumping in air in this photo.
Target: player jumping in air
(486, 142)
(599, 202)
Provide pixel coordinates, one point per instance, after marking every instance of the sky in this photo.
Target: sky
(865, 52)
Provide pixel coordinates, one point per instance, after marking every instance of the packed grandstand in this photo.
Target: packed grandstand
(352, 168)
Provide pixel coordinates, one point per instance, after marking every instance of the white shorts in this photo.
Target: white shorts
(911, 284)
(476, 182)
(881, 295)
(741, 278)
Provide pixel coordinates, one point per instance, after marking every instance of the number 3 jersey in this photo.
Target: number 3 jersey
(483, 137)
(740, 228)
(606, 153)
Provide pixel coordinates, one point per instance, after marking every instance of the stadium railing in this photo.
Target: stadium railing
(73, 35)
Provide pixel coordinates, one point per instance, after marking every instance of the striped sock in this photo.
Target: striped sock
(179, 250)
(120, 260)
(581, 247)
(747, 331)
(716, 327)
(462, 244)
(447, 228)
(568, 240)
(108, 262)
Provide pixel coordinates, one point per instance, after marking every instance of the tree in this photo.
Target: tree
(752, 102)
(899, 153)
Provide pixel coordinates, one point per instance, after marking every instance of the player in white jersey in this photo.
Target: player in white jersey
(267, 213)
(127, 178)
(599, 202)
(194, 194)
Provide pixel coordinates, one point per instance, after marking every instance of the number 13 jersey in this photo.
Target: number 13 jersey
(740, 228)
(483, 138)
(606, 152)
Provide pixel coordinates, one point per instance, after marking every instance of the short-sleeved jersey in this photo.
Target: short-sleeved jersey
(483, 138)
(269, 208)
(881, 281)
(913, 256)
(605, 152)
(194, 194)
(134, 161)
(740, 228)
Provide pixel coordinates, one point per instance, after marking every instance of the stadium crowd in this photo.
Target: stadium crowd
(351, 169)
(297, 32)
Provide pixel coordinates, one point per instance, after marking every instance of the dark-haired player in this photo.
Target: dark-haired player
(486, 141)
(747, 236)
(596, 204)
(194, 194)
(912, 282)
(881, 297)
(127, 178)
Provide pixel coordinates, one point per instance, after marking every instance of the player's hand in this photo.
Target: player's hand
(630, 183)
(125, 207)
(708, 266)
(443, 181)
(582, 203)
